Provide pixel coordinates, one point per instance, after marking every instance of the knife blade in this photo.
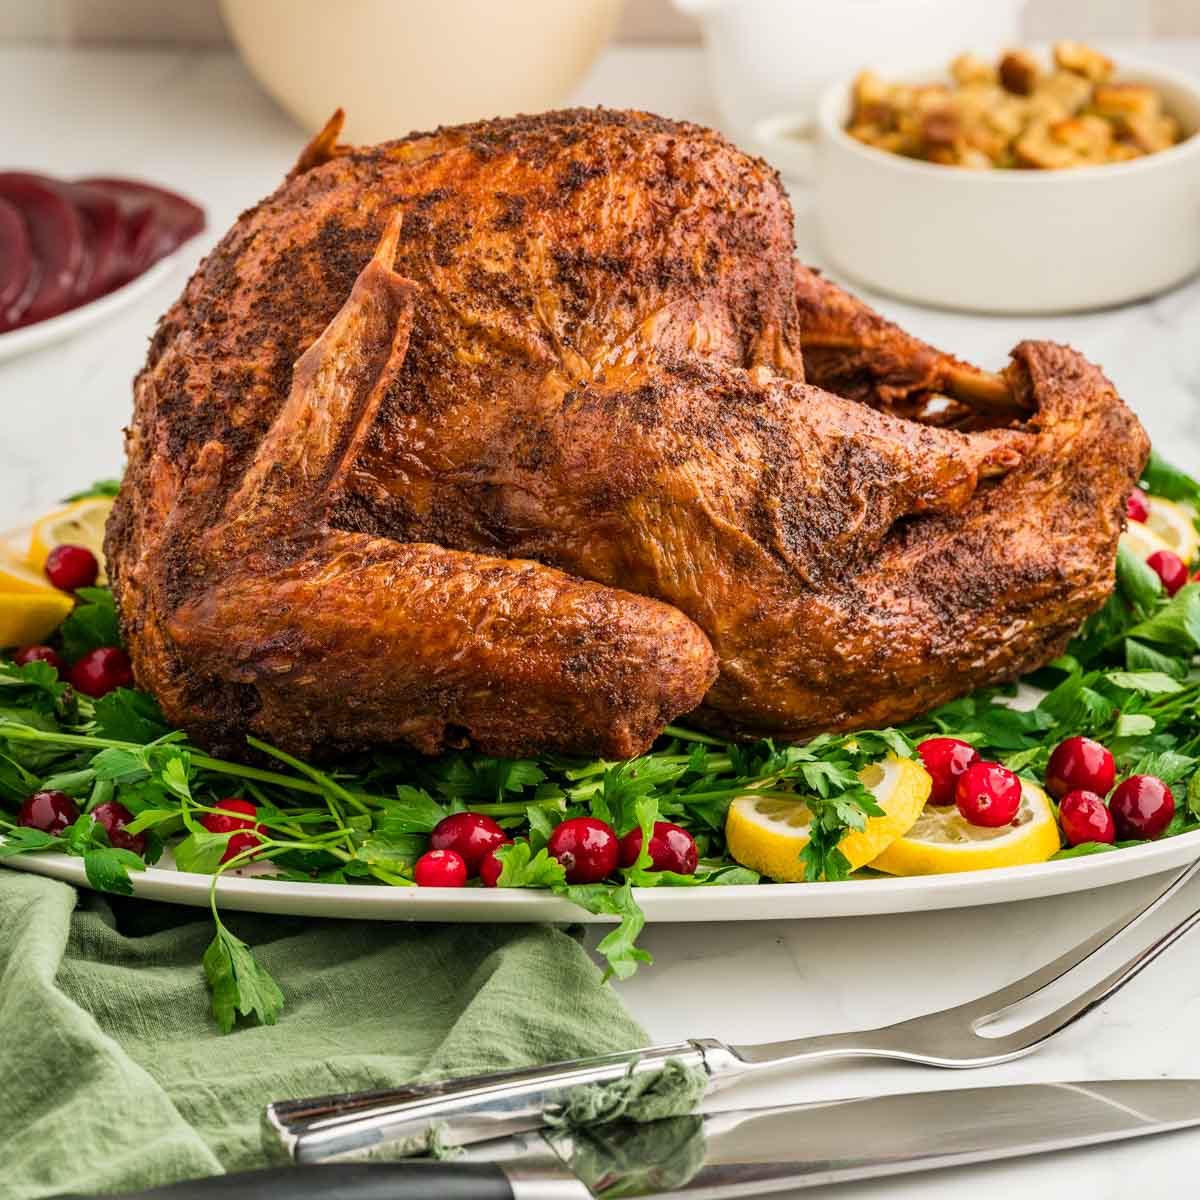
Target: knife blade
(750, 1152)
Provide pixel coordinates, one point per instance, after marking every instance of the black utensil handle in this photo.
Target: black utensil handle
(341, 1181)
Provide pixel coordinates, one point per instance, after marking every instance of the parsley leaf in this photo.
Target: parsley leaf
(84, 834)
(92, 624)
(1076, 704)
(41, 677)
(201, 851)
(1083, 850)
(1168, 765)
(102, 487)
(240, 985)
(173, 770)
(30, 756)
(391, 844)
(412, 811)
(618, 947)
(541, 825)
(624, 784)
(127, 715)
(477, 777)
(1176, 624)
(1162, 479)
(23, 840)
(1149, 683)
(1140, 657)
(121, 766)
(1193, 795)
(151, 818)
(1134, 725)
(15, 781)
(821, 857)
(1138, 583)
(521, 867)
(108, 869)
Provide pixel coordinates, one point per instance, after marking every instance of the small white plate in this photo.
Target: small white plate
(19, 341)
(250, 891)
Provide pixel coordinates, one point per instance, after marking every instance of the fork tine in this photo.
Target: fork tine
(1028, 985)
(1079, 1006)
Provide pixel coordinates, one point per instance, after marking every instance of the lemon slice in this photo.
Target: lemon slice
(27, 617)
(1142, 540)
(767, 833)
(941, 841)
(17, 576)
(1174, 525)
(80, 524)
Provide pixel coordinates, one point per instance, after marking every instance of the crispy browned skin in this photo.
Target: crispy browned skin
(547, 457)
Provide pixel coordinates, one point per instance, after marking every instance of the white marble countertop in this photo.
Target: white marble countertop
(195, 121)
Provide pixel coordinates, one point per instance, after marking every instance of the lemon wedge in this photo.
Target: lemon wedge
(79, 524)
(1142, 540)
(1173, 523)
(767, 833)
(942, 841)
(17, 576)
(30, 609)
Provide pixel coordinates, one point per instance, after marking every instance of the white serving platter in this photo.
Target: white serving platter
(252, 891)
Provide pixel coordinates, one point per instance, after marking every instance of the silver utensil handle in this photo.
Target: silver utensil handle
(360, 1125)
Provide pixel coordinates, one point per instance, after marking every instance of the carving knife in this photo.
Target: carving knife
(748, 1153)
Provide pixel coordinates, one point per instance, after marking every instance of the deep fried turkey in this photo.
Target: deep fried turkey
(500, 436)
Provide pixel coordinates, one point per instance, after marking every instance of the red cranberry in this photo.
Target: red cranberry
(946, 759)
(988, 794)
(51, 812)
(587, 848)
(101, 671)
(489, 869)
(671, 848)
(1142, 807)
(46, 654)
(114, 816)
(220, 823)
(470, 835)
(1080, 763)
(1170, 568)
(1137, 507)
(1085, 818)
(71, 567)
(440, 868)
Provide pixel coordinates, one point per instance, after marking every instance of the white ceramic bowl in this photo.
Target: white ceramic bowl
(1009, 241)
(399, 65)
(768, 56)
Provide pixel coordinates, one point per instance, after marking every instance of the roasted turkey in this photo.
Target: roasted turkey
(531, 435)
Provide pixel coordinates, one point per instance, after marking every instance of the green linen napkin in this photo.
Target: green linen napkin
(113, 1076)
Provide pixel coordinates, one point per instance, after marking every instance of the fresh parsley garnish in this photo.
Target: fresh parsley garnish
(240, 985)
